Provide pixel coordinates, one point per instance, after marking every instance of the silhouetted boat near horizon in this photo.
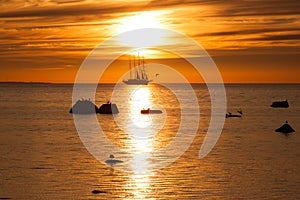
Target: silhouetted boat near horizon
(234, 115)
(149, 111)
(138, 75)
(112, 160)
(280, 104)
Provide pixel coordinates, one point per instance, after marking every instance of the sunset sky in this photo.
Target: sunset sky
(251, 41)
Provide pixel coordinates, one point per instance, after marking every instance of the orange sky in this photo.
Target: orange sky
(254, 41)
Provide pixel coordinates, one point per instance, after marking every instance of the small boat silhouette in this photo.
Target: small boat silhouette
(98, 191)
(148, 111)
(232, 115)
(112, 160)
(280, 104)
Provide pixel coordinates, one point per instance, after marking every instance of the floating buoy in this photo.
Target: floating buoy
(285, 128)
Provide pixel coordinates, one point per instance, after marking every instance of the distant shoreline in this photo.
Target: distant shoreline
(24, 82)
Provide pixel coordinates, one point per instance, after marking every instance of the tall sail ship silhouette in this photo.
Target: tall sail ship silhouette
(138, 75)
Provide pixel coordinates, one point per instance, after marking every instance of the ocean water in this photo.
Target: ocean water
(43, 157)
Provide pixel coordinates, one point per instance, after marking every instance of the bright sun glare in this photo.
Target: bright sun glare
(140, 21)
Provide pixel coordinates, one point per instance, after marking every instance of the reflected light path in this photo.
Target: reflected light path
(141, 143)
(140, 98)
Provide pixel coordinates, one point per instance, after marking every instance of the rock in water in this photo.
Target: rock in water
(280, 104)
(108, 108)
(286, 128)
(84, 107)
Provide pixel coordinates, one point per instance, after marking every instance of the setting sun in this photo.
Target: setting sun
(141, 20)
(145, 20)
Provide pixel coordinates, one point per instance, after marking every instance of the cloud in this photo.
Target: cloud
(279, 37)
(65, 1)
(247, 32)
(61, 11)
(48, 68)
(69, 29)
(66, 25)
(261, 8)
(223, 8)
(237, 7)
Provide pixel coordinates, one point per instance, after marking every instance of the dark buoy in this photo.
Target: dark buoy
(98, 192)
(285, 128)
(280, 104)
(84, 107)
(108, 108)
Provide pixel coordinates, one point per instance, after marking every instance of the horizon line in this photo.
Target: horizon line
(113, 83)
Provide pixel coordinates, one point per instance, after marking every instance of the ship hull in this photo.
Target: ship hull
(136, 82)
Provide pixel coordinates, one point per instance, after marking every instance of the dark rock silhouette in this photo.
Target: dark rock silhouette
(280, 104)
(88, 107)
(108, 108)
(84, 107)
(286, 128)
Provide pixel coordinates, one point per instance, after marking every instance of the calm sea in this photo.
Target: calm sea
(43, 157)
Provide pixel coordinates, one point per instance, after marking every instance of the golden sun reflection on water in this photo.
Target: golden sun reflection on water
(141, 144)
(140, 98)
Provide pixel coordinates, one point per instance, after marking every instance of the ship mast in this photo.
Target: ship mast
(139, 67)
(134, 65)
(138, 75)
(130, 67)
(144, 71)
(136, 70)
